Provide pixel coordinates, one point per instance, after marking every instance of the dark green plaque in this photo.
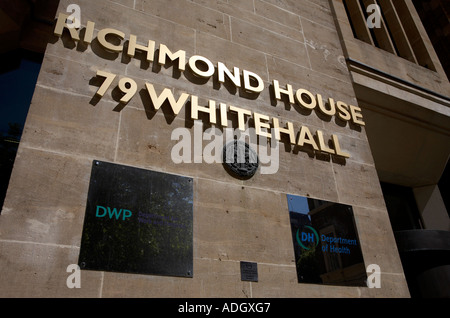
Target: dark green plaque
(137, 221)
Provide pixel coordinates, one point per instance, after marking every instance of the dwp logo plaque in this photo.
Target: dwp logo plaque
(112, 213)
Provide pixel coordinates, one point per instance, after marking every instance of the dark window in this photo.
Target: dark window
(27, 27)
(402, 207)
(18, 75)
(444, 188)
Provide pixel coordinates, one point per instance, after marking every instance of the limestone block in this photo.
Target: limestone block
(358, 185)
(68, 123)
(40, 271)
(128, 3)
(46, 198)
(317, 10)
(243, 4)
(212, 278)
(377, 240)
(188, 14)
(281, 281)
(279, 15)
(241, 223)
(268, 22)
(269, 42)
(324, 50)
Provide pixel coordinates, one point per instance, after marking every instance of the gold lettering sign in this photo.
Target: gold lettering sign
(202, 67)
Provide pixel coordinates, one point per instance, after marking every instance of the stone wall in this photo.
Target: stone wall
(294, 42)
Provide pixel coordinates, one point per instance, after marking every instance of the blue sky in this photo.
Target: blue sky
(298, 204)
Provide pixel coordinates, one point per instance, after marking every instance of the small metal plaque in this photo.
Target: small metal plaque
(240, 159)
(249, 271)
(138, 221)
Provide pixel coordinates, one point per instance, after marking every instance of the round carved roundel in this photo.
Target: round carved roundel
(240, 159)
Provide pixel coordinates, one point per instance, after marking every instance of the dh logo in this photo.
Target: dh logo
(308, 237)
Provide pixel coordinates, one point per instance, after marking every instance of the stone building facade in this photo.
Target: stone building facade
(292, 60)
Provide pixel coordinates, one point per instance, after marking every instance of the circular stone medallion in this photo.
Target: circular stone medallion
(240, 159)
